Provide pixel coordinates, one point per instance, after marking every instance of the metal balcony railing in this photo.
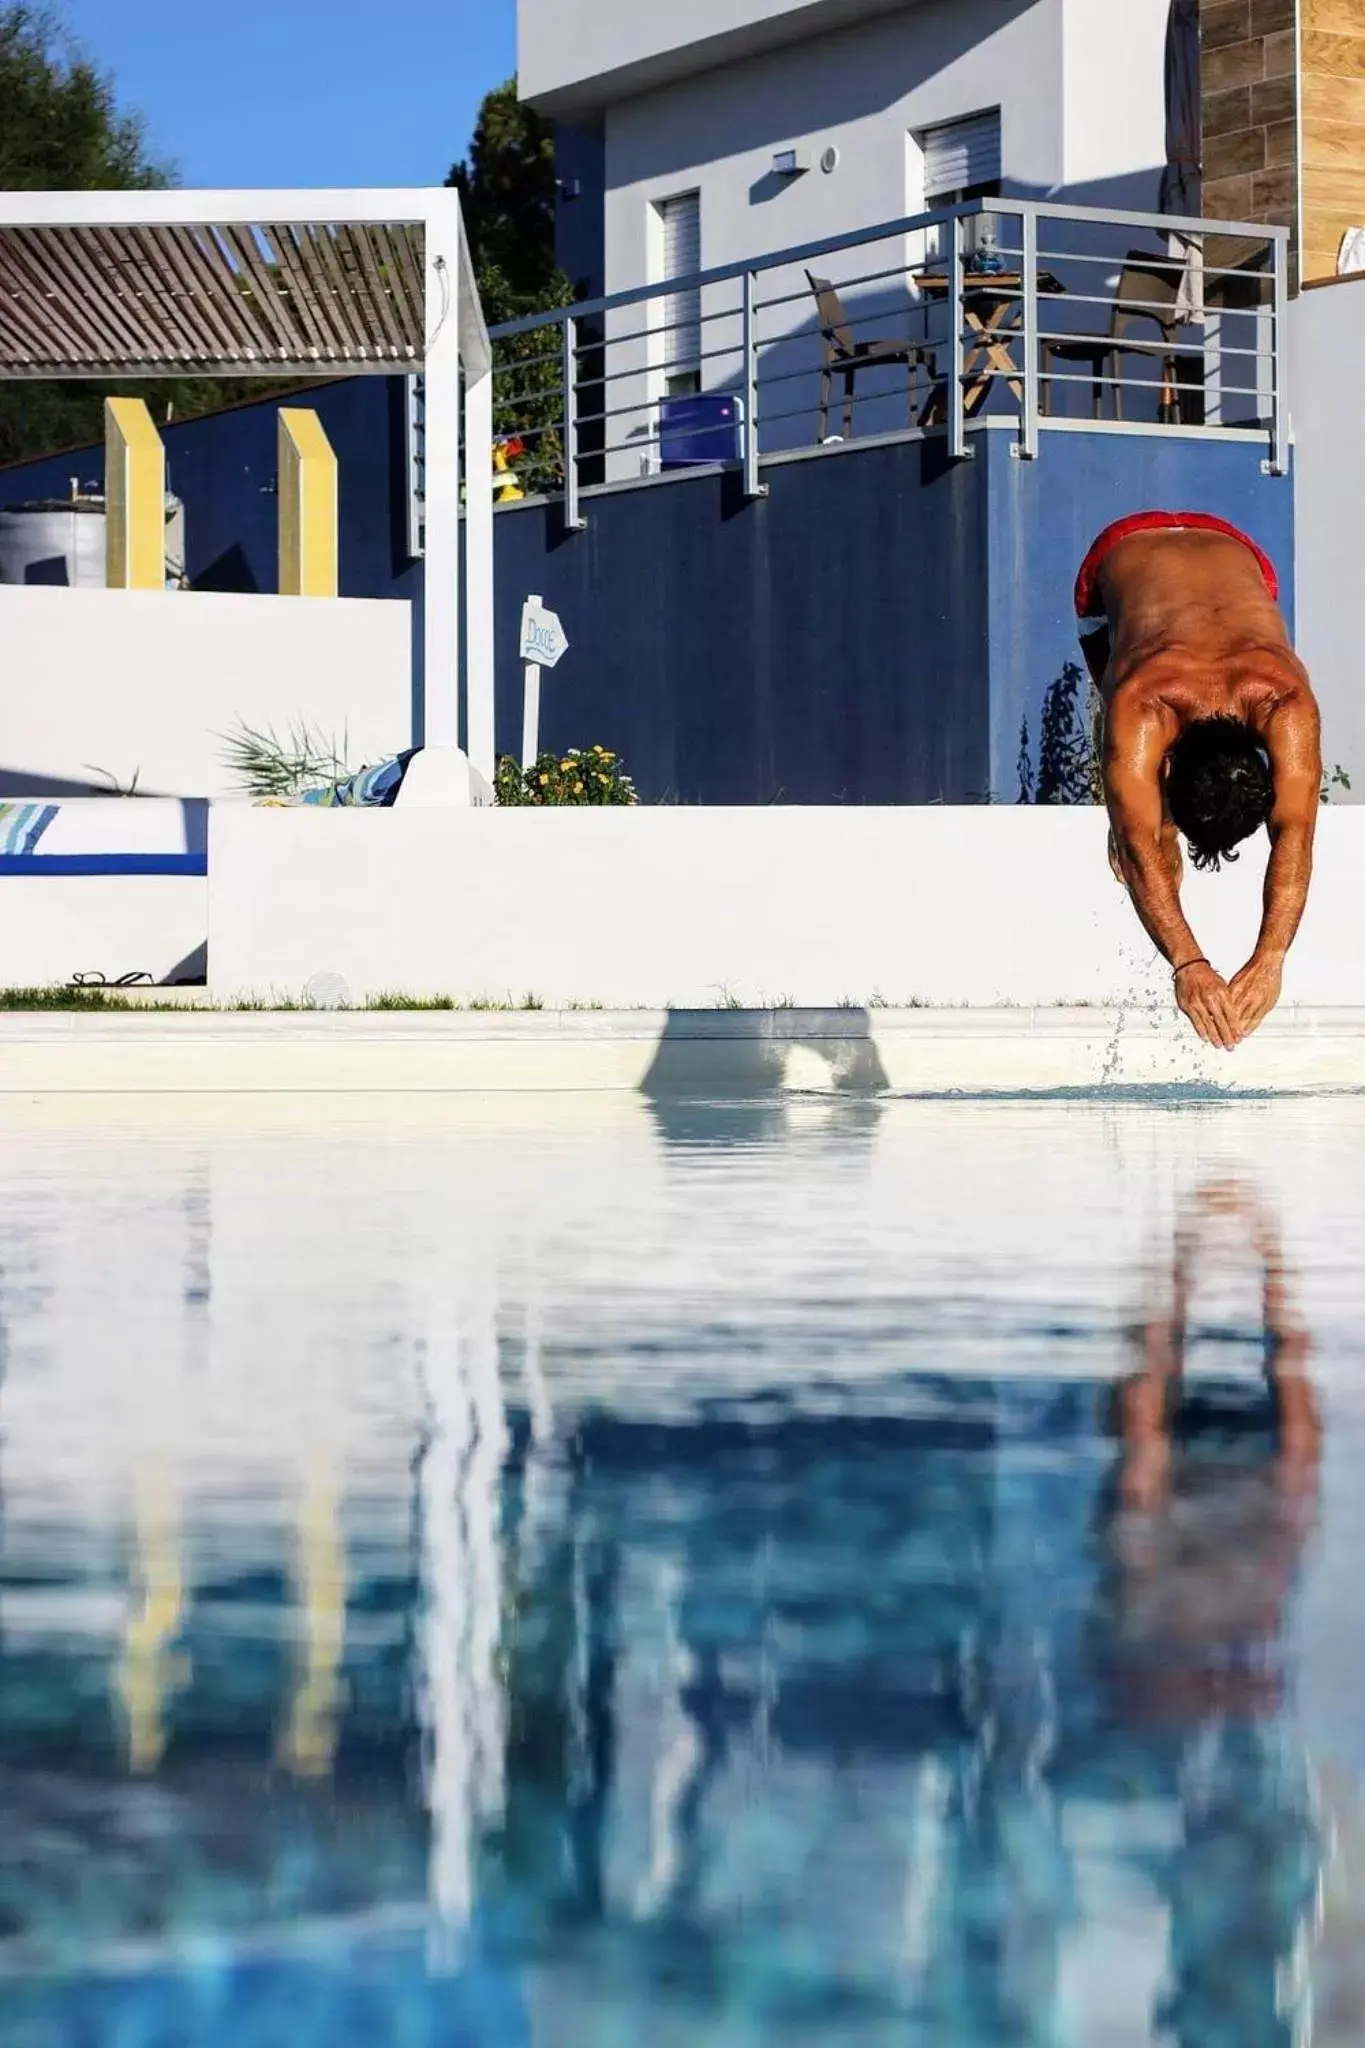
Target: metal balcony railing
(1046, 318)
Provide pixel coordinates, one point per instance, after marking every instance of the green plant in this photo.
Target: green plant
(1067, 770)
(268, 765)
(1333, 778)
(396, 999)
(594, 776)
(116, 788)
(507, 187)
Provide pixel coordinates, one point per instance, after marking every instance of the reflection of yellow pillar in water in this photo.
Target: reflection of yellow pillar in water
(147, 1670)
(308, 1741)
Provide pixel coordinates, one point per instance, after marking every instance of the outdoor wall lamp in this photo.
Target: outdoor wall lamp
(789, 163)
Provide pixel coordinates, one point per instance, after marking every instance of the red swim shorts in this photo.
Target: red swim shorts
(1090, 611)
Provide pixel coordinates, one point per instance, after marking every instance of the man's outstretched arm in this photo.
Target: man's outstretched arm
(1136, 738)
(1292, 737)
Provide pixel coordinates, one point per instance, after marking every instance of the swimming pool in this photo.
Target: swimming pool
(574, 1571)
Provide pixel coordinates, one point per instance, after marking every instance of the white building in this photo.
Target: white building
(675, 122)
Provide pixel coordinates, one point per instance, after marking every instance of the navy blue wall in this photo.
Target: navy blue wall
(223, 467)
(876, 631)
(827, 643)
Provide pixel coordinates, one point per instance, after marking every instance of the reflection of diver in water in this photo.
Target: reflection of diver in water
(1147, 1400)
(1214, 1501)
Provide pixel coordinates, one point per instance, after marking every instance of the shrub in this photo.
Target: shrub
(1067, 770)
(591, 777)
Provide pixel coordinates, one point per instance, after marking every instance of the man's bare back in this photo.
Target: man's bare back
(1210, 728)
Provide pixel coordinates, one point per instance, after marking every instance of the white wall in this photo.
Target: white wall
(53, 927)
(57, 926)
(144, 682)
(1326, 351)
(689, 907)
(574, 55)
(1079, 84)
(1113, 94)
(862, 91)
(1080, 89)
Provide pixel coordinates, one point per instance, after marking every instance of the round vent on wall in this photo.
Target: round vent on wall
(830, 160)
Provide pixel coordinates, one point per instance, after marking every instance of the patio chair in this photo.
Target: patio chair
(848, 357)
(1148, 288)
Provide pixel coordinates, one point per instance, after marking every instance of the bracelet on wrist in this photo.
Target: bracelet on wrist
(1198, 961)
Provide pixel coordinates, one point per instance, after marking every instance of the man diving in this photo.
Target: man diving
(1210, 729)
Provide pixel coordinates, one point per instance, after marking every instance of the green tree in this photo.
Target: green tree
(61, 129)
(507, 192)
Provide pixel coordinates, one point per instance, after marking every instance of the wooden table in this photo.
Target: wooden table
(993, 309)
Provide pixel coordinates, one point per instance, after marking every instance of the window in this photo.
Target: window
(961, 161)
(680, 315)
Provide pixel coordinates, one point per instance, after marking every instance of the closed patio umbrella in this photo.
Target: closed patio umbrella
(1181, 180)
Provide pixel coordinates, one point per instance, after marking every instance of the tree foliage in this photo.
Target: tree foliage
(61, 129)
(507, 192)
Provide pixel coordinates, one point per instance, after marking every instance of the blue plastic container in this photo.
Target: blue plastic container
(705, 427)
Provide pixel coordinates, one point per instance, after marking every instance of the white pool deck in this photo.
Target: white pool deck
(698, 1053)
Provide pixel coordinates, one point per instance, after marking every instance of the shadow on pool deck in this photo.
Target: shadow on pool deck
(769, 1052)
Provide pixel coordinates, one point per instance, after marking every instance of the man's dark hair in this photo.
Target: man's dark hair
(1218, 787)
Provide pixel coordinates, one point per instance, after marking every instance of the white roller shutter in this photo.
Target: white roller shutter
(681, 219)
(961, 154)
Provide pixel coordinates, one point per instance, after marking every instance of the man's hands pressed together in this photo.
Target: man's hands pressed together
(1226, 1012)
(1209, 1003)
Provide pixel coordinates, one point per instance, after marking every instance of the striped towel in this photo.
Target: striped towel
(22, 826)
(368, 786)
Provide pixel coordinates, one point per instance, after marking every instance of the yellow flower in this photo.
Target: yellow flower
(544, 780)
(578, 789)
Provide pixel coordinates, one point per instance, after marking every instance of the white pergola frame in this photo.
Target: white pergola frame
(456, 362)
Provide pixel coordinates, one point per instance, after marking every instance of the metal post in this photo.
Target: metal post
(573, 518)
(957, 417)
(441, 577)
(1278, 465)
(530, 716)
(1028, 425)
(752, 487)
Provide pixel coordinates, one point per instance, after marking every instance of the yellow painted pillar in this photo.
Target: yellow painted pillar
(308, 506)
(134, 498)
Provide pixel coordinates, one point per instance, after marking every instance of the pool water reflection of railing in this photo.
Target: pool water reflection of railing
(1055, 318)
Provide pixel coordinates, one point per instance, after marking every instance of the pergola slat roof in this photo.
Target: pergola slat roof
(169, 300)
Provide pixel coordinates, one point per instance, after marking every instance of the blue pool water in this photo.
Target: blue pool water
(578, 1572)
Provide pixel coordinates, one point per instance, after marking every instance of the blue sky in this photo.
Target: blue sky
(302, 92)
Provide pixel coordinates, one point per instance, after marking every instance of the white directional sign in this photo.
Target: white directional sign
(543, 639)
(543, 643)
